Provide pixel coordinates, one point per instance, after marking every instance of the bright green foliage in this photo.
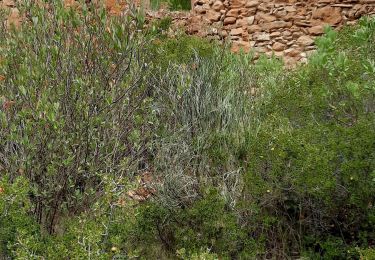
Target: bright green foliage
(173, 4)
(311, 163)
(182, 50)
(180, 4)
(367, 254)
(248, 160)
(17, 226)
(201, 254)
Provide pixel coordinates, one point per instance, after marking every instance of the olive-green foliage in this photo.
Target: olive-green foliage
(249, 160)
(173, 4)
(15, 222)
(207, 224)
(304, 143)
(73, 116)
(181, 50)
(367, 254)
(310, 164)
(159, 28)
(180, 4)
(164, 23)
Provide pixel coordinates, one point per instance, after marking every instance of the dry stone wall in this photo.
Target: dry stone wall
(286, 28)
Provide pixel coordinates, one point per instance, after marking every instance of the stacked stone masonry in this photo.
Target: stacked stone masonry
(285, 28)
(280, 27)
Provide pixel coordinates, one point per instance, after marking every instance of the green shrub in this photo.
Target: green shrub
(75, 107)
(17, 227)
(181, 50)
(248, 160)
(180, 4)
(173, 4)
(201, 254)
(310, 161)
(207, 223)
(367, 254)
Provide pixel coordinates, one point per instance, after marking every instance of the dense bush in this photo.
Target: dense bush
(310, 163)
(248, 160)
(173, 4)
(75, 108)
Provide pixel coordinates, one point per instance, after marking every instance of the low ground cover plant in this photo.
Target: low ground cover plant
(172, 4)
(248, 161)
